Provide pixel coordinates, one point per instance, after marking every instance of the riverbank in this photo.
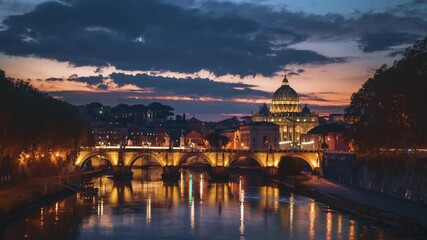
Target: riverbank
(408, 216)
(17, 199)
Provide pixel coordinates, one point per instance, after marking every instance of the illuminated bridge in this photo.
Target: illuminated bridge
(171, 160)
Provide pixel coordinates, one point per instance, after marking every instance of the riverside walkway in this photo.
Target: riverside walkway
(409, 215)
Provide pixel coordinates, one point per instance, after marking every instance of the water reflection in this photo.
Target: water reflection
(312, 217)
(193, 208)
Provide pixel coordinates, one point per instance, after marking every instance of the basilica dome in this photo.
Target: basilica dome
(285, 99)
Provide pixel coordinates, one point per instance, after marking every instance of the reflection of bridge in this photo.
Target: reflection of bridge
(171, 160)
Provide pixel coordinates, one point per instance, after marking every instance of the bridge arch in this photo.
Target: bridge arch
(293, 164)
(186, 156)
(83, 160)
(249, 156)
(145, 154)
(310, 158)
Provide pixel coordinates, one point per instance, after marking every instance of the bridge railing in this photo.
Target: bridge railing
(162, 149)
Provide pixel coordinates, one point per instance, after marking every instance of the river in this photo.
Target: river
(147, 208)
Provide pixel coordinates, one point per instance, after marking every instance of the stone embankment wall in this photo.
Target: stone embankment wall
(402, 175)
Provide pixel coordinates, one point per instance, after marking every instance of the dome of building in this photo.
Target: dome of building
(285, 99)
(305, 110)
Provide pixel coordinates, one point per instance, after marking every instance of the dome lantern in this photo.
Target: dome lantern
(285, 81)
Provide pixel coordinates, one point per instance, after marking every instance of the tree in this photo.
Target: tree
(159, 110)
(389, 110)
(216, 140)
(325, 129)
(33, 122)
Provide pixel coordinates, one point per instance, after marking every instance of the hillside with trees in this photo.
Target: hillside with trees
(389, 111)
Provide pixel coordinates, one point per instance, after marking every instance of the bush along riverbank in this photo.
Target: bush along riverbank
(18, 199)
(405, 215)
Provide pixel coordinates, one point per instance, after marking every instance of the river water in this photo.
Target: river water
(193, 208)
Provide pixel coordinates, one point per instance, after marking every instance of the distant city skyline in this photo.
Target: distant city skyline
(214, 59)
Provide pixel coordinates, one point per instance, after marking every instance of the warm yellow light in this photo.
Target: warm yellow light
(57, 154)
(27, 155)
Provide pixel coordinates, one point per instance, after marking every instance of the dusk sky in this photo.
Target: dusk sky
(214, 59)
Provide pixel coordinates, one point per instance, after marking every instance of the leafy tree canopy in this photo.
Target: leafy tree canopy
(32, 121)
(389, 111)
(216, 141)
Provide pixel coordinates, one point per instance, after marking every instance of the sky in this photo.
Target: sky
(211, 58)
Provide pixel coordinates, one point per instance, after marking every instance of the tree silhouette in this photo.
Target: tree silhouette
(324, 130)
(389, 110)
(216, 140)
(34, 122)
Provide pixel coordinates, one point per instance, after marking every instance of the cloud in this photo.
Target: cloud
(327, 109)
(408, 19)
(169, 86)
(220, 37)
(91, 80)
(415, 8)
(380, 41)
(151, 35)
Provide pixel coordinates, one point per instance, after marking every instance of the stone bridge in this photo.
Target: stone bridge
(172, 159)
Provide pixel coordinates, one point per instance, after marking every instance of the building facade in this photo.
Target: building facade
(259, 136)
(285, 111)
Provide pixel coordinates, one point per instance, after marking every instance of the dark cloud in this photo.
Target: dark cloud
(370, 42)
(189, 86)
(13, 6)
(54, 79)
(168, 86)
(292, 73)
(318, 97)
(221, 37)
(396, 53)
(409, 19)
(91, 80)
(312, 97)
(327, 109)
(415, 8)
(150, 35)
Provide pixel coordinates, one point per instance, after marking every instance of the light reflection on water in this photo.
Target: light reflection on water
(193, 208)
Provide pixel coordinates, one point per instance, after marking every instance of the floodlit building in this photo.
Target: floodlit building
(194, 139)
(285, 111)
(259, 136)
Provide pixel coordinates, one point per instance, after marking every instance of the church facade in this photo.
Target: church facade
(285, 111)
